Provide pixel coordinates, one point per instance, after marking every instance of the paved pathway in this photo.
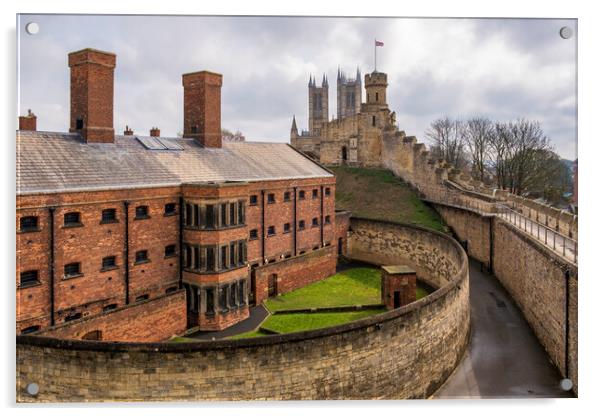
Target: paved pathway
(504, 358)
(256, 316)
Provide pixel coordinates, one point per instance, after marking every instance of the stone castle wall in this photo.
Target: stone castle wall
(404, 353)
(536, 279)
(534, 276)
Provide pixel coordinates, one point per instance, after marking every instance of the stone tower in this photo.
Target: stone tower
(318, 105)
(376, 90)
(349, 94)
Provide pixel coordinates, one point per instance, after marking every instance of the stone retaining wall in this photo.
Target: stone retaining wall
(404, 353)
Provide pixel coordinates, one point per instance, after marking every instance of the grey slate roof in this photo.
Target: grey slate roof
(50, 162)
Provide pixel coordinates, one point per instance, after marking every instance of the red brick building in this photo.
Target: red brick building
(107, 221)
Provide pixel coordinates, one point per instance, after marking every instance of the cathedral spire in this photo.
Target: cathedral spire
(294, 126)
(358, 76)
(324, 80)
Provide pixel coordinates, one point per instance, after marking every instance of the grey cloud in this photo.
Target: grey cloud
(266, 63)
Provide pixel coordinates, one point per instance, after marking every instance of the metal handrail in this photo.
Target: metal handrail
(553, 239)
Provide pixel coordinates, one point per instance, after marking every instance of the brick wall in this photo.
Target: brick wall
(147, 321)
(295, 272)
(405, 353)
(88, 243)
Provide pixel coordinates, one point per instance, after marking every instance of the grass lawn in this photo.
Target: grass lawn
(294, 322)
(378, 194)
(357, 286)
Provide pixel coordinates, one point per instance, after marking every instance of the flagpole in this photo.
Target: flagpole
(374, 54)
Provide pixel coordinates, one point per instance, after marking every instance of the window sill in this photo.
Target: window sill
(72, 276)
(109, 222)
(107, 269)
(271, 203)
(28, 285)
(286, 232)
(169, 256)
(253, 238)
(147, 217)
(141, 262)
(170, 214)
(29, 230)
(270, 235)
(210, 314)
(74, 225)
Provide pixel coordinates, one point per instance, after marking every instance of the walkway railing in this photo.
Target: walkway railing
(560, 244)
(565, 246)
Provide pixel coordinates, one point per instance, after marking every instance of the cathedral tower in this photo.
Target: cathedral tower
(349, 94)
(318, 105)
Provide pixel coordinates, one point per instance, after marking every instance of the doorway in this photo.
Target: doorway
(273, 285)
(396, 299)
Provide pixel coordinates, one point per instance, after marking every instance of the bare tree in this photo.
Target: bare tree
(477, 138)
(517, 148)
(447, 140)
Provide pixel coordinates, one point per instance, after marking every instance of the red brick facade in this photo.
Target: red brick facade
(146, 321)
(277, 278)
(398, 286)
(83, 254)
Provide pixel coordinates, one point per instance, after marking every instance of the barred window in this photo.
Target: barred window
(108, 215)
(170, 209)
(253, 234)
(29, 278)
(142, 212)
(109, 262)
(29, 223)
(142, 256)
(170, 250)
(72, 269)
(72, 218)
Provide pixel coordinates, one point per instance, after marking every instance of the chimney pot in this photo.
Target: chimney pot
(28, 122)
(128, 131)
(155, 132)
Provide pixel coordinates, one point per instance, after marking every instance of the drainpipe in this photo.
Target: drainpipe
(262, 227)
(180, 241)
(126, 252)
(566, 323)
(321, 216)
(52, 265)
(295, 221)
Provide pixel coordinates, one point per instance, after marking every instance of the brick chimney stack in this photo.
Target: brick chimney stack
(92, 73)
(155, 132)
(128, 131)
(202, 107)
(28, 122)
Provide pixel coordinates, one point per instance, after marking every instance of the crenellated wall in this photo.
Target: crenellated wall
(405, 353)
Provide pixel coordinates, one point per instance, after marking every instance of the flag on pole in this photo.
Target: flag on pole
(378, 43)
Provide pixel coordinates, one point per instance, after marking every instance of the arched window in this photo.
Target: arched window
(93, 335)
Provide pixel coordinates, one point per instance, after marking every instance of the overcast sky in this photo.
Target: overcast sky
(500, 68)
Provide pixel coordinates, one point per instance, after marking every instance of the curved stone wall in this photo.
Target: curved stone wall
(404, 353)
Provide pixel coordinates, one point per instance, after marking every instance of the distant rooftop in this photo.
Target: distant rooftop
(50, 162)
